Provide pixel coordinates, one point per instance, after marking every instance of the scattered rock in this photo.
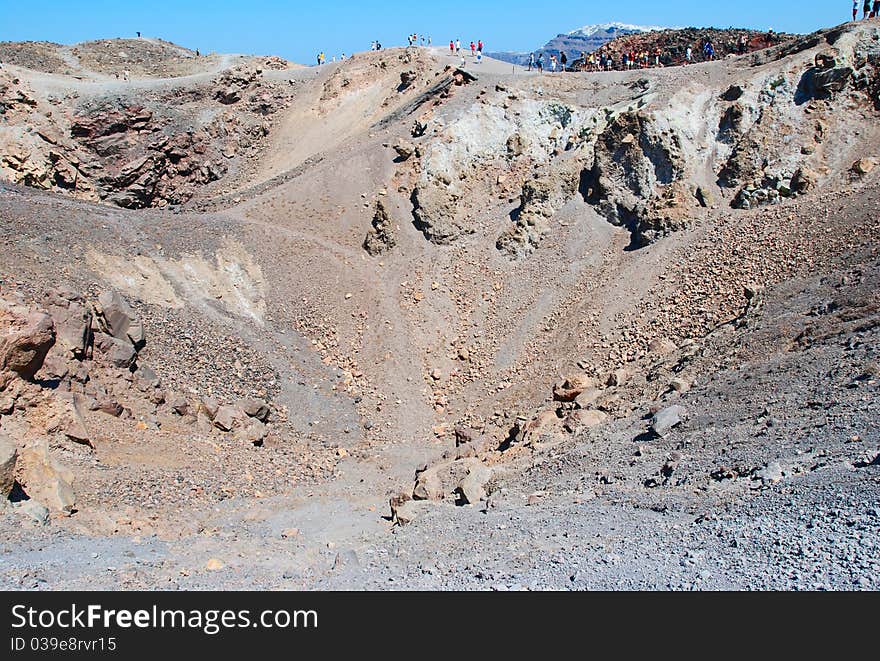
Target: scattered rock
(661, 346)
(8, 458)
(679, 385)
(770, 474)
(119, 319)
(429, 485)
(864, 166)
(404, 149)
(664, 420)
(119, 353)
(584, 419)
(35, 510)
(179, 405)
(255, 408)
(380, 238)
(228, 418)
(618, 377)
(569, 389)
(45, 479)
(408, 511)
(209, 406)
(75, 427)
(471, 489)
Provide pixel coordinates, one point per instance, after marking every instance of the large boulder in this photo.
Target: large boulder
(438, 214)
(228, 418)
(823, 80)
(25, 339)
(570, 388)
(45, 480)
(73, 322)
(255, 408)
(472, 488)
(119, 353)
(119, 319)
(429, 484)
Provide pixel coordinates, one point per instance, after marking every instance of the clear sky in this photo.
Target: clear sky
(298, 30)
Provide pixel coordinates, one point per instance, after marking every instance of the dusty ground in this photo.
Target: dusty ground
(403, 249)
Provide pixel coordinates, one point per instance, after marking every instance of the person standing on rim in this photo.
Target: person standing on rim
(480, 45)
(531, 61)
(866, 10)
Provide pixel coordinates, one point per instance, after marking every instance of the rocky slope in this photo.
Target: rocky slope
(433, 311)
(673, 44)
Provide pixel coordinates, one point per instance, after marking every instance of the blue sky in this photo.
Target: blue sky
(298, 30)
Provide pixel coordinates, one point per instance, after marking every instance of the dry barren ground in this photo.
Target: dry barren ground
(390, 323)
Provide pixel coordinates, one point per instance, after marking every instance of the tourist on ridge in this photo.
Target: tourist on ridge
(531, 61)
(563, 59)
(473, 49)
(855, 9)
(451, 47)
(866, 10)
(480, 45)
(709, 49)
(875, 11)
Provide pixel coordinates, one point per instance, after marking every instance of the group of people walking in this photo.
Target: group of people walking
(869, 9)
(602, 61)
(476, 49)
(607, 60)
(415, 39)
(554, 63)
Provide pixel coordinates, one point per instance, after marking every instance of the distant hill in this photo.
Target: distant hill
(585, 39)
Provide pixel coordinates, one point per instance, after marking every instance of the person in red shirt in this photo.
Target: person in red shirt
(480, 45)
(451, 46)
